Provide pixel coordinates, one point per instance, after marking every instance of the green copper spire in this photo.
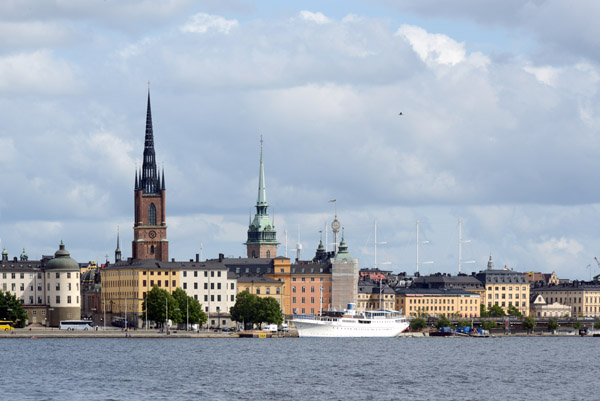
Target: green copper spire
(261, 203)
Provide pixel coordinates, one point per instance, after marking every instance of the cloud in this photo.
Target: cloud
(37, 72)
(317, 17)
(202, 23)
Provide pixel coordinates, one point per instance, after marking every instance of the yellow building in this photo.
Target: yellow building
(125, 284)
(505, 288)
(372, 297)
(434, 302)
(583, 298)
(263, 286)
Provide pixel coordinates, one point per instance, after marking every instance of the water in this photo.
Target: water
(301, 369)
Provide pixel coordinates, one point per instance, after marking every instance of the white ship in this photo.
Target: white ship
(351, 323)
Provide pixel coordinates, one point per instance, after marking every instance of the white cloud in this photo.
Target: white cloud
(545, 74)
(202, 23)
(318, 18)
(37, 72)
(431, 47)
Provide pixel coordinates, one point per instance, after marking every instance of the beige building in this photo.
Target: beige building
(505, 288)
(583, 298)
(540, 308)
(344, 278)
(436, 302)
(373, 296)
(48, 288)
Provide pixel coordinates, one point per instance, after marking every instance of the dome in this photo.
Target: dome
(62, 260)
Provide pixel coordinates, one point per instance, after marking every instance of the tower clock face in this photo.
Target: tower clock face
(152, 234)
(335, 225)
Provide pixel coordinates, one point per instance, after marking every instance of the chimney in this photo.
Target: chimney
(197, 257)
(221, 257)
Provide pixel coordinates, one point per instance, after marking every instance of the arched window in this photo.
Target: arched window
(152, 215)
(152, 249)
(268, 254)
(253, 254)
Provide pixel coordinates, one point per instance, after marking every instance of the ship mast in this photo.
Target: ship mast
(460, 242)
(417, 243)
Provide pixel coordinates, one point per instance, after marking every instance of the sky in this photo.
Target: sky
(499, 127)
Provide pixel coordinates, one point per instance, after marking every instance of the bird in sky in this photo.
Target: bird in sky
(400, 114)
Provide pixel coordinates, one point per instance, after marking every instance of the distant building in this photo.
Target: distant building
(540, 308)
(546, 278)
(344, 278)
(505, 288)
(262, 237)
(582, 297)
(48, 288)
(373, 295)
(436, 302)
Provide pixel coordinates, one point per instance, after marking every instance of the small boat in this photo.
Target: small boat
(351, 323)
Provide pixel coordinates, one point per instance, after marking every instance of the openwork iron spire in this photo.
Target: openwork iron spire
(149, 182)
(261, 203)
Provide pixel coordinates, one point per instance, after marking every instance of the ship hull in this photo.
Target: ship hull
(350, 328)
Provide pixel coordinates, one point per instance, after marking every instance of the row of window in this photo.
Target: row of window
(503, 304)
(441, 301)
(312, 289)
(212, 286)
(510, 296)
(311, 279)
(39, 275)
(524, 288)
(441, 308)
(312, 300)
(212, 273)
(39, 287)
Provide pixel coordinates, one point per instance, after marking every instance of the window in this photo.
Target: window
(232, 298)
(206, 285)
(22, 287)
(31, 299)
(152, 250)
(173, 283)
(212, 274)
(58, 299)
(184, 274)
(278, 290)
(268, 254)
(212, 286)
(218, 298)
(195, 273)
(144, 283)
(195, 286)
(68, 299)
(159, 283)
(205, 273)
(268, 290)
(196, 297)
(206, 300)
(151, 283)
(303, 300)
(293, 299)
(219, 285)
(218, 274)
(233, 286)
(69, 286)
(185, 286)
(258, 290)
(57, 286)
(152, 215)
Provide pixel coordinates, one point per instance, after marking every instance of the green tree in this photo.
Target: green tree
(443, 322)
(245, 308)
(159, 302)
(577, 325)
(529, 324)
(464, 323)
(483, 311)
(488, 324)
(496, 311)
(12, 309)
(597, 325)
(514, 311)
(418, 324)
(552, 325)
(189, 307)
(270, 311)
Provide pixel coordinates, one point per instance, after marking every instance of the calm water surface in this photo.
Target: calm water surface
(301, 369)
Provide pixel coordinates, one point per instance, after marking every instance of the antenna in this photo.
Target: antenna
(375, 243)
(460, 242)
(420, 242)
(298, 245)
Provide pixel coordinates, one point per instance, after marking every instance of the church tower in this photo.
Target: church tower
(149, 227)
(262, 237)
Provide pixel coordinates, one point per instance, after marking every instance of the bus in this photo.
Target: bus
(6, 325)
(76, 325)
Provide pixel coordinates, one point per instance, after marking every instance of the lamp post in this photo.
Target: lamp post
(219, 317)
(104, 309)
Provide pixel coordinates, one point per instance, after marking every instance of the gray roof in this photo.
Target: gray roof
(501, 277)
(257, 279)
(447, 281)
(147, 264)
(433, 291)
(574, 286)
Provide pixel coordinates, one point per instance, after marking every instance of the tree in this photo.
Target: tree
(443, 322)
(245, 308)
(464, 323)
(496, 311)
(418, 324)
(488, 324)
(12, 309)
(160, 302)
(483, 311)
(597, 325)
(529, 324)
(552, 325)
(270, 311)
(577, 325)
(514, 311)
(190, 308)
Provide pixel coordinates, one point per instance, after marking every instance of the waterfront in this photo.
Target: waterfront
(521, 368)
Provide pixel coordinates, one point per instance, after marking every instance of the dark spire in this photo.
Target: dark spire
(118, 250)
(162, 185)
(149, 180)
(137, 185)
